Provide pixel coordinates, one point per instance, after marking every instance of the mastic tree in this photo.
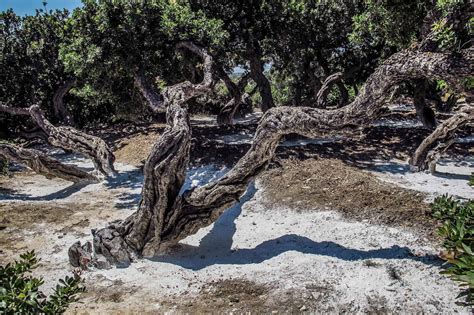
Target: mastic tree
(251, 26)
(166, 215)
(31, 72)
(124, 47)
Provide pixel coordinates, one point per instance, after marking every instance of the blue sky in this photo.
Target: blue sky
(23, 7)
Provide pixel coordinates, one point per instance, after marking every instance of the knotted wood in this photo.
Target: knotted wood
(70, 139)
(43, 164)
(165, 217)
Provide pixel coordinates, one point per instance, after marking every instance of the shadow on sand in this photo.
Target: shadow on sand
(216, 247)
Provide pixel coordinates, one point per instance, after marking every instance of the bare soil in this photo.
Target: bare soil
(304, 277)
(330, 184)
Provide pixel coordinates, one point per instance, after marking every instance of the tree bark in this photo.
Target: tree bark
(336, 78)
(429, 151)
(423, 110)
(236, 91)
(43, 164)
(60, 110)
(70, 139)
(152, 98)
(256, 72)
(165, 217)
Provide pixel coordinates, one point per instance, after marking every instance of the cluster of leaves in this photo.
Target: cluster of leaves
(396, 23)
(458, 232)
(30, 71)
(3, 167)
(102, 44)
(20, 292)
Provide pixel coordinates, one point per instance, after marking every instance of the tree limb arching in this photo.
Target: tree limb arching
(44, 165)
(153, 99)
(429, 151)
(70, 139)
(165, 217)
(335, 78)
(60, 110)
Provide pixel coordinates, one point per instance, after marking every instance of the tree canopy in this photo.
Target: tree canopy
(111, 59)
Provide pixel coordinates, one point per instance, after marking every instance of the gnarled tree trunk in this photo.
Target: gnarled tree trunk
(70, 139)
(256, 72)
(43, 164)
(165, 217)
(423, 111)
(227, 113)
(60, 110)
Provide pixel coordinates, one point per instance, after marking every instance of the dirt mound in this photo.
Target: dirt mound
(329, 184)
(135, 149)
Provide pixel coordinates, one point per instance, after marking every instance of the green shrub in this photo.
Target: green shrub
(3, 167)
(20, 294)
(458, 232)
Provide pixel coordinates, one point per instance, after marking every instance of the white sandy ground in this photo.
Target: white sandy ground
(285, 249)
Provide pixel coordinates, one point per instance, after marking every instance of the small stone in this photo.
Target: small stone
(100, 262)
(303, 308)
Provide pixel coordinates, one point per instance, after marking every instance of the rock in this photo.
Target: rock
(100, 262)
(80, 255)
(303, 308)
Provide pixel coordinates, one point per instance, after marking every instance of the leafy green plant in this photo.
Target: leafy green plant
(444, 35)
(3, 167)
(458, 232)
(20, 292)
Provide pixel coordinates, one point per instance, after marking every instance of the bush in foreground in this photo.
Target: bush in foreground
(458, 232)
(20, 294)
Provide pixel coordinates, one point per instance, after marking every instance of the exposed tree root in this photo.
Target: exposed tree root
(165, 217)
(43, 164)
(70, 139)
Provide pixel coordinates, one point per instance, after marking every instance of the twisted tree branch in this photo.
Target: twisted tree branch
(164, 217)
(43, 164)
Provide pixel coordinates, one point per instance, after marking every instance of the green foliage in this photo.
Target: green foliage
(471, 180)
(31, 72)
(20, 292)
(444, 35)
(3, 166)
(396, 23)
(447, 5)
(458, 232)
